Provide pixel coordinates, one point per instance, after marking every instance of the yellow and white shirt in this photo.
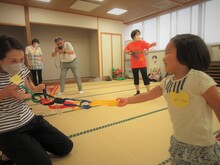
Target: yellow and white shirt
(34, 57)
(190, 113)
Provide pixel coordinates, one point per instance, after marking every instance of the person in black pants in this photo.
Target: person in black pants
(25, 138)
(137, 49)
(34, 61)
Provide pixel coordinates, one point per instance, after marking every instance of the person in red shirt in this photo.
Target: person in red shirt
(137, 49)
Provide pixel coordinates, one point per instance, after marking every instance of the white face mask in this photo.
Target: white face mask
(154, 60)
(138, 37)
(12, 68)
(36, 45)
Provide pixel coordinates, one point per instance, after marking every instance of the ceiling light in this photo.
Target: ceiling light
(44, 1)
(84, 6)
(116, 11)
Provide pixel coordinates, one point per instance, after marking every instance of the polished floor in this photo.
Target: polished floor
(109, 135)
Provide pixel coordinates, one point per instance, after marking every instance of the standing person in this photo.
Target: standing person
(68, 59)
(137, 49)
(191, 96)
(25, 138)
(34, 61)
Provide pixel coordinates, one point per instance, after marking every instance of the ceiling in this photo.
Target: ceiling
(137, 9)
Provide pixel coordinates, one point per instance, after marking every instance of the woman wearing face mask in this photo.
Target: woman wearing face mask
(137, 49)
(34, 61)
(155, 74)
(25, 138)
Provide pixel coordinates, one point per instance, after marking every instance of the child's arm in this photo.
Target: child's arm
(152, 94)
(213, 98)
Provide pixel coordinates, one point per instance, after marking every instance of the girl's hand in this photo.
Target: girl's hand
(122, 102)
(217, 137)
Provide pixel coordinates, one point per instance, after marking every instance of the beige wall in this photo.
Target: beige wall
(12, 14)
(61, 18)
(83, 31)
(93, 52)
(80, 39)
(17, 32)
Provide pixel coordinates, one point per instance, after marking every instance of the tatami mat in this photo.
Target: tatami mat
(132, 135)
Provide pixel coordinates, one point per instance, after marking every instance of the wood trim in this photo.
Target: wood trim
(112, 58)
(101, 54)
(11, 24)
(27, 24)
(50, 24)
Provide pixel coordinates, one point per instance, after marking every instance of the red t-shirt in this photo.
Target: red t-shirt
(136, 48)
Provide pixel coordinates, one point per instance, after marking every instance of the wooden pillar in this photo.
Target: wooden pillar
(27, 25)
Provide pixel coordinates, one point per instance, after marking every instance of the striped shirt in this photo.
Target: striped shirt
(13, 113)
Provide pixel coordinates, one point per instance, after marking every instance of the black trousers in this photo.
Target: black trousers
(29, 144)
(143, 71)
(35, 74)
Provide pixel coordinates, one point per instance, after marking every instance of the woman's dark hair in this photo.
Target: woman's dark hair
(7, 44)
(154, 56)
(35, 41)
(192, 51)
(134, 32)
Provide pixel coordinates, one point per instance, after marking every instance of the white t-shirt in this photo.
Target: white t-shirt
(67, 57)
(190, 113)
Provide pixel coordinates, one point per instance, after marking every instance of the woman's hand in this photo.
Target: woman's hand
(13, 91)
(10, 90)
(126, 52)
(217, 137)
(154, 44)
(21, 96)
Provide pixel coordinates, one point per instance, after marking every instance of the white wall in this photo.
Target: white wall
(211, 23)
(61, 18)
(200, 19)
(12, 14)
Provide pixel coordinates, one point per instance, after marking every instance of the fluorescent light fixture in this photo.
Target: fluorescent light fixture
(84, 6)
(116, 11)
(44, 1)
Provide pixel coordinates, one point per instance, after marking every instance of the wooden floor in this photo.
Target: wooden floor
(133, 135)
